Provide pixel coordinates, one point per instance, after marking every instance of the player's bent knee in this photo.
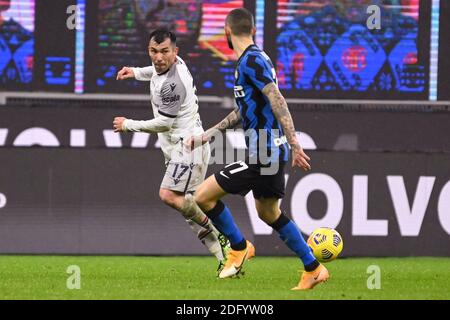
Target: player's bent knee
(167, 196)
(266, 217)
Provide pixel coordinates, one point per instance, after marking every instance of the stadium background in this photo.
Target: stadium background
(378, 136)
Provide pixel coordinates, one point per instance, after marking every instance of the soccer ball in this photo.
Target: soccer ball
(326, 244)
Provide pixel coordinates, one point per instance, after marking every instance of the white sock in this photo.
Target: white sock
(202, 226)
(208, 237)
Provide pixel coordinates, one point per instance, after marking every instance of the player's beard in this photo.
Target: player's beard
(230, 43)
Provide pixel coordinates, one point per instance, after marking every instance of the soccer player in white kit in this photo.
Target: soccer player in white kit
(176, 118)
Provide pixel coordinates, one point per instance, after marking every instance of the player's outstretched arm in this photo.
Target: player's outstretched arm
(230, 121)
(140, 74)
(157, 125)
(281, 111)
(172, 98)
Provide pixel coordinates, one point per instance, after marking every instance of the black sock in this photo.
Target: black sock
(312, 266)
(239, 246)
(280, 223)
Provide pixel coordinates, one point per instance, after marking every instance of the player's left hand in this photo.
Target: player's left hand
(118, 124)
(300, 158)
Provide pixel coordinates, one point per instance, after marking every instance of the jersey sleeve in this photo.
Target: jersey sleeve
(259, 70)
(173, 93)
(144, 74)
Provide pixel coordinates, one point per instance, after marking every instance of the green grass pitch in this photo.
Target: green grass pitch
(178, 278)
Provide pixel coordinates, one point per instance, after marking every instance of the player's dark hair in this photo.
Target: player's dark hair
(240, 21)
(162, 34)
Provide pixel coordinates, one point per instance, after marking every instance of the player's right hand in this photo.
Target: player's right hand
(118, 124)
(195, 142)
(125, 73)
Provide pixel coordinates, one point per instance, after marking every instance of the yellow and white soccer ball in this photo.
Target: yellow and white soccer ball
(326, 244)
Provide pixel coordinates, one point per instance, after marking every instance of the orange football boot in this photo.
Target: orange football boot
(235, 260)
(310, 279)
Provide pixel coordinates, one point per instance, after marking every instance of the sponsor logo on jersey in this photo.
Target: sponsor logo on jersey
(171, 99)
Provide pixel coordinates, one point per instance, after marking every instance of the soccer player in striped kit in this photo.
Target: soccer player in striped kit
(270, 137)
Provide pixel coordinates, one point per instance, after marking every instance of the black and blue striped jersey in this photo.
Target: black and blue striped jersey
(253, 72)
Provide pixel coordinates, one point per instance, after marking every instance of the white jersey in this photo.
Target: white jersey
(173, 95)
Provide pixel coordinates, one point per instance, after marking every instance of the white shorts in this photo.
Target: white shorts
(185, 170)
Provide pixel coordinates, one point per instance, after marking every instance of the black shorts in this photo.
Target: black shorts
(241, 177)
